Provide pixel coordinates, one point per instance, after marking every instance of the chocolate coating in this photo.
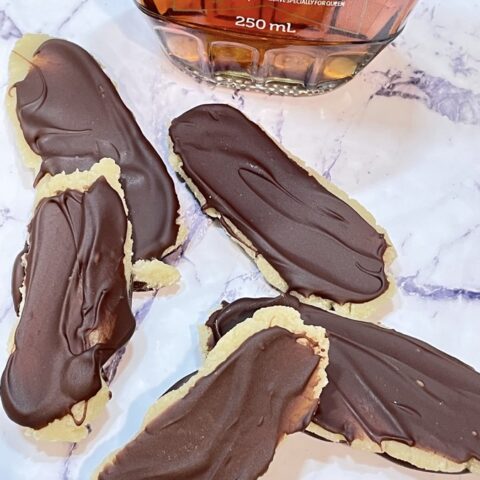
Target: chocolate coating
(230, 422)
(72, 116)
(316, 242)
(384, 385)
(18, 274)
(77, 309)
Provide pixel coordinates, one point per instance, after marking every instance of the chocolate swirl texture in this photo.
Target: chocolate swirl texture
(72, 116)
(384, 385)
(317, 243)
(76, 312)
(229, 423)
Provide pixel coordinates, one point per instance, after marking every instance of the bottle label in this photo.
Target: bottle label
(332, 20)
(335, 19)
(314, 3)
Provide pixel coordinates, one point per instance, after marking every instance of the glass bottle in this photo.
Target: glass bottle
(293, 47)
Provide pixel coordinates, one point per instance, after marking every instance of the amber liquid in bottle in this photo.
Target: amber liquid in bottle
(279, 46)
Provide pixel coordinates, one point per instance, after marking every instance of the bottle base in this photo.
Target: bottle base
(280, 87)
(272, 66)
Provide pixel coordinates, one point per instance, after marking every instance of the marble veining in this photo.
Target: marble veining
(438, 94)
(436, 292)
(5, 216)
(75, 11)
(402, 138)
(8, 29)
(66, 463)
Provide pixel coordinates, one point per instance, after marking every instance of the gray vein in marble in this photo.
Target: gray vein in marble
(438, 94)
(238, 99)
(110, 369)
(234, 287)
(8, 29)
(278, 127)
(72, 14)
(406, 239)
(230, 290)
(327, 173)
(196, 275)
(143, 310)
(5, 216)
(435, 292)
(198, 224)
(453, 243)
(460, 66)
(66, 463)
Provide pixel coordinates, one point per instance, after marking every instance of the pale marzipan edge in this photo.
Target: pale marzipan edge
(414, 456)
(284, 317)
(205, 337)
(65, 429)
(19, 66)
(155, 274)
(358, 311)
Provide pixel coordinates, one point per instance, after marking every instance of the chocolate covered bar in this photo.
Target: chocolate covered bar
(68, 116)
(261, 382)
(387, 393)
(74, 312)
(306, 236)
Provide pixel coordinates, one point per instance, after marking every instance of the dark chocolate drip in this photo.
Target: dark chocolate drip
(72, 116)
(228, 425)
(77, 308)
(384, 385)
(180, 382)
(18, 274)
(317, 243)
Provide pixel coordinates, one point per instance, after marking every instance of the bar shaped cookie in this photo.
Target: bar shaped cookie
(68, 115)
(75, 308)
(387, 393)
(306, 236)
(261, 382)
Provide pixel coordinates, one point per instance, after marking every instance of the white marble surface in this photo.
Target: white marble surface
(403, 138)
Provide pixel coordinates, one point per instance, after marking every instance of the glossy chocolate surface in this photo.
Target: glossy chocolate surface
(383, 385)
(317, 243)
(228, 425)
(76, 313)
(72, 116)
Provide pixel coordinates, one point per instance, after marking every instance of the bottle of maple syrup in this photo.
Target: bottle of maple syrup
(291, 47)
